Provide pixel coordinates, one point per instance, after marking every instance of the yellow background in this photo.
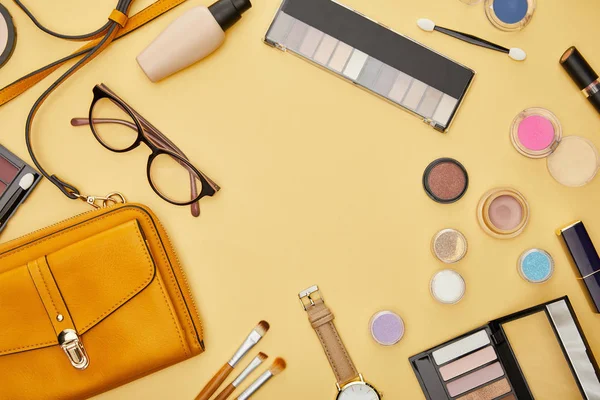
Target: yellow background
(321, 182)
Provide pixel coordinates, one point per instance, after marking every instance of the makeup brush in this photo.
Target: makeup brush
(253, 338)
(430, 26)
(276, 368)
(24, 185)
(241, 377)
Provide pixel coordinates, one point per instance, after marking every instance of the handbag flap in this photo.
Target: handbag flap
(94, 276)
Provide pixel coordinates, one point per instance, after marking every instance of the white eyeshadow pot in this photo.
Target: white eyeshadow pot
(447, 286)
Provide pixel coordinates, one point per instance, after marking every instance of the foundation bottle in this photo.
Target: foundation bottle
(190, 38)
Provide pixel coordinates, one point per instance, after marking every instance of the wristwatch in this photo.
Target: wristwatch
(350, 384)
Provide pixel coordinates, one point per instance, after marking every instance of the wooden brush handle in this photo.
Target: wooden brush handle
(226, 392)
(212, 386)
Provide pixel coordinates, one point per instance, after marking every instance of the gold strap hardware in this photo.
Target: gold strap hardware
(308, 294)
(110, 199)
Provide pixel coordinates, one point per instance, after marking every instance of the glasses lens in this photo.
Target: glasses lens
(113, 125)
(175, 179)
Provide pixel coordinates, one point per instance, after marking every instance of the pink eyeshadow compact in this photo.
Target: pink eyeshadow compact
(571, 160)
(535, 132)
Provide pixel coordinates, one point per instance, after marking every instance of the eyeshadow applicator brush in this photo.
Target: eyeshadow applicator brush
(241, 377)
(275, 369)
(251, 341)
(430, 26)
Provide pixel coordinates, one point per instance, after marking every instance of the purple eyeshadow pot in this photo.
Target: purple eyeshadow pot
(387, 328)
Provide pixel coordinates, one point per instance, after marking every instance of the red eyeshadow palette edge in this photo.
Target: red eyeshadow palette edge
(17, 180)
(481, 364)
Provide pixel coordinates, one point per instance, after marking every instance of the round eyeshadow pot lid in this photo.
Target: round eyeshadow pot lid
(449, 246)
(509, 15)
(386, 327)
(445, 180)
(8, 35)
(535, 266)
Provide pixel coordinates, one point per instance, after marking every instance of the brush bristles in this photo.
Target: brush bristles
(262, 328)
(278, 366)
(262, 356)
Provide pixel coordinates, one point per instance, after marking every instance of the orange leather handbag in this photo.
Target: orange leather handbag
(92, 303)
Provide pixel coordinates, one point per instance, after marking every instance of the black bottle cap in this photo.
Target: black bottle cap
(578, 68)
(228, 12)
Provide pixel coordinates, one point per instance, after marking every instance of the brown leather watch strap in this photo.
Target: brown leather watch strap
(321, 320)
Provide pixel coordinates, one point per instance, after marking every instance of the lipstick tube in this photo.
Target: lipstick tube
(583, 75)
(584, 255)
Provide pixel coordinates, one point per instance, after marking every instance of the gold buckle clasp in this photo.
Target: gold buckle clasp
(71, 344)
(309, 294)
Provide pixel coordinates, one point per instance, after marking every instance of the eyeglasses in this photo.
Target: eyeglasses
(120, 128)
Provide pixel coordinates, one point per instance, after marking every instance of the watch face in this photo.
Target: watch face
(358, 391)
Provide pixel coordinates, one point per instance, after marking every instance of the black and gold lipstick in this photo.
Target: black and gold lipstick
(584, 255)
(582, 74)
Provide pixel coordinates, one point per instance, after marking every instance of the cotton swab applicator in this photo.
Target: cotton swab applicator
(430, 26)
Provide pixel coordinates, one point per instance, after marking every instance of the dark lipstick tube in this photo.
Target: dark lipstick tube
(585, 258)
(583, 75)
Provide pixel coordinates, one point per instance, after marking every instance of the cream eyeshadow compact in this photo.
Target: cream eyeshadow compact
(537, 353)
(373, 57)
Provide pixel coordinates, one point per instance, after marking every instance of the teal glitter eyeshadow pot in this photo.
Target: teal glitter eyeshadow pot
(536, 266)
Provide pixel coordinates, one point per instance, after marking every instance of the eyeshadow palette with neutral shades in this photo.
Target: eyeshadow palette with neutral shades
(374, 57)
(12, 169)
(494, 361)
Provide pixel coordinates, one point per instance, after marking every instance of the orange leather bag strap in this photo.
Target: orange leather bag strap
(136, 21)
(118, 26)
